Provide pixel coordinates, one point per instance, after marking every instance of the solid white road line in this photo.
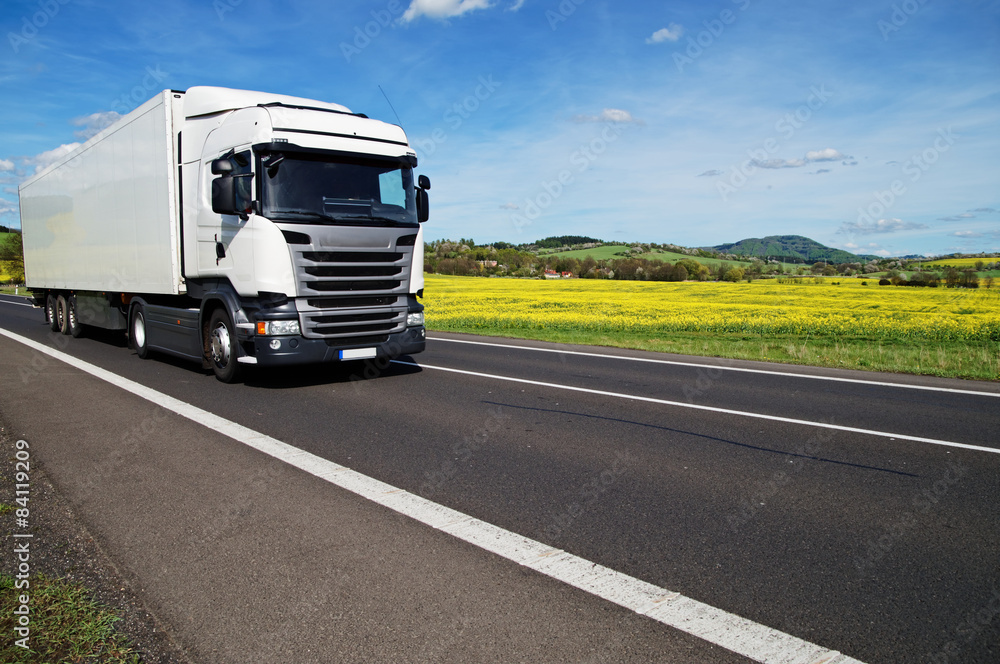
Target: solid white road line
(717, 367)
(742, 636)
(714, 409)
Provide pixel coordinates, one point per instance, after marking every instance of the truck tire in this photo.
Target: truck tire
(222, 350)
(50, 312)
(62, 314)
(73, 323)
(137, 332)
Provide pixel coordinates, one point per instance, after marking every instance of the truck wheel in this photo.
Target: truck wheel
(62, 314)
(72, 320)
(222, 347)
(50, 312)
(138, 328)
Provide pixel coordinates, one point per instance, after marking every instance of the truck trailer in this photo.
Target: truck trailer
(234, 228)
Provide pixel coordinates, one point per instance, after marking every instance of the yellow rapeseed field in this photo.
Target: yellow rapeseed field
(827, 308)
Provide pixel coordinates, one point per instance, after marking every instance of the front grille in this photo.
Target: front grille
(350, 302)
(352, 256)
(354, 271)
(353, 294)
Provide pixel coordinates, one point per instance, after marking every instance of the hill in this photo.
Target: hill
(791, 249)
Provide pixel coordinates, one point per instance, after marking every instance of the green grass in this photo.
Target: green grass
(973, 360)
(957, 263)
(66, 625)
(608, 252)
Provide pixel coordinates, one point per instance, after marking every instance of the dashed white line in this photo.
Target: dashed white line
(745, 637)
(719, 367)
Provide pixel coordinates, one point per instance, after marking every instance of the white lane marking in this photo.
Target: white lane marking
(697, 365)
(714, 409)
(745, 637)
(20, 304)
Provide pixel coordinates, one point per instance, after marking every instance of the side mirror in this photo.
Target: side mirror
(222, 166)
(423, 206)
(231, 194)
(423, 182)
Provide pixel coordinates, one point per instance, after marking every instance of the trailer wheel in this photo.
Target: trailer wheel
(51, 313)
(138, 328)
(73, 323)
(62, 314)
(222, 347)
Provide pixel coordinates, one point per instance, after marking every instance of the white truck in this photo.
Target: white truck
(234, 228)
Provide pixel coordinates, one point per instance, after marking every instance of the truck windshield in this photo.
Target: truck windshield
(316, 188)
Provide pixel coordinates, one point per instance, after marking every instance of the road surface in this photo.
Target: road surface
(502, 500)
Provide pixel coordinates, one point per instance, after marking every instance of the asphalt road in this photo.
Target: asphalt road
(857, 511)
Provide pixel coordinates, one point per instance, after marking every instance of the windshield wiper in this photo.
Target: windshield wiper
(369, 217)
(308, 214)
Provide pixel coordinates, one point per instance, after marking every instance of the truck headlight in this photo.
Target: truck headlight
(415, 319)
(271, 328)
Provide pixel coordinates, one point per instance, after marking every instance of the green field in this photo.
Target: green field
(957, 263)
(608, 252)
(839, 323)
(4, 239)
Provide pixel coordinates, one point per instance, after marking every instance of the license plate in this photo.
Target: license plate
(359, 354)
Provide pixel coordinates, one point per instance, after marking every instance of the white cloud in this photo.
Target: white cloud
(778, 163)
(880, 226)
(967, 234)
(671, 33)
(710, 174)
(6, 165)
(93, 124)
(827, 154)
(7, 207)
(52, 156)
(444, 9)
(608, 115)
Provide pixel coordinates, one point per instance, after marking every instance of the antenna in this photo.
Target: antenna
(390, 105)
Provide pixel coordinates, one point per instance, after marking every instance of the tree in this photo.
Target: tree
(12, 257)
(734, 274)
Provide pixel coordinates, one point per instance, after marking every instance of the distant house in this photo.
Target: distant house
(552, 274)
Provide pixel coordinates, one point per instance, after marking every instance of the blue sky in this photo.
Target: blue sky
(870, 126)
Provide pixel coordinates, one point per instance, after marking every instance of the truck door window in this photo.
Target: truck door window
(242, 165)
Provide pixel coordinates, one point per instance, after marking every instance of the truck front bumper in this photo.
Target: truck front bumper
(299, 350)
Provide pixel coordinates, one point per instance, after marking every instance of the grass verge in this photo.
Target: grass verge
(952, 359)
(66, 625)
